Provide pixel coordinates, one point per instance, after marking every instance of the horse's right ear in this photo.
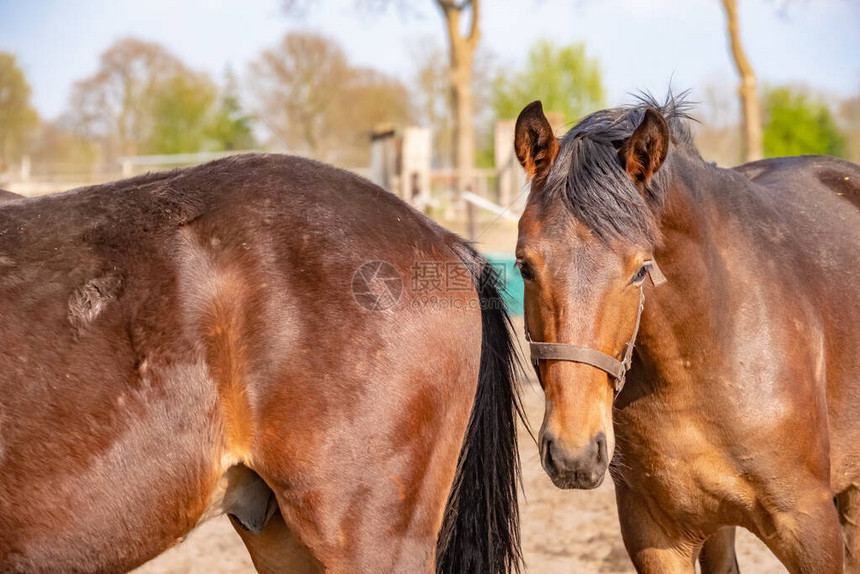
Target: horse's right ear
(534, 143)
(645, 150)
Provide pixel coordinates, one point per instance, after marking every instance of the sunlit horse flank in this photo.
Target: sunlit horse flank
(186, 344)
(742, 406)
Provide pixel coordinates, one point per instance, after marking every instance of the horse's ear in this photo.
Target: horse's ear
(644, 152)
(534, 142)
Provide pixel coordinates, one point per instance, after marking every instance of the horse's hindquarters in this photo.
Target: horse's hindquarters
(362, 462)
(171, 327)
(113, 509)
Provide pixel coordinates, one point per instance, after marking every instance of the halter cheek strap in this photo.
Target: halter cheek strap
(588, 356)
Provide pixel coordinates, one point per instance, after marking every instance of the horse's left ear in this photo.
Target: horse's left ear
(644, 152)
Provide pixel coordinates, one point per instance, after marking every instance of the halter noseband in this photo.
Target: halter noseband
(588, 356)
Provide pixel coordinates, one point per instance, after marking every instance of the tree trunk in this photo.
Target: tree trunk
(464, 125)
(462, 57)
(751, 140)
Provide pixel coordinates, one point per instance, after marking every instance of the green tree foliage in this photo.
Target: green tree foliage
(144, 100)
(230, 128)
(796, 124)
(115, 107)
(564, 78)
(179, 114)
(18, 119)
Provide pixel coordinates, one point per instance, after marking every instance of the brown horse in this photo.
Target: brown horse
(242, 338)
(8, 196)
(742, 404)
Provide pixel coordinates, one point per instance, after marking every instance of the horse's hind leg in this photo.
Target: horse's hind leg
(718, 553)
(366, 497)
(848, 504)
(253, 511)
(274, 549)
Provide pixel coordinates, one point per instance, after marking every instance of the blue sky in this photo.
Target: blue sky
(640, 44)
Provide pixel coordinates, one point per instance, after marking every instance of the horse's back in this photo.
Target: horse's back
(160, 329)
(805, 209)
(8, 196)
(813, 172)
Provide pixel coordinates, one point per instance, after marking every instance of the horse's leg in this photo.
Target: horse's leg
(367, 493)
(357, 528)
(848, 503)
(718, 553)
(805, 537)
(274, 549)
(650, 546)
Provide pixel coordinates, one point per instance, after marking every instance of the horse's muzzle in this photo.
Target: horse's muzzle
(584, 469)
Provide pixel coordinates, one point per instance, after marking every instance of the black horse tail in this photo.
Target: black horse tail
(480, 531)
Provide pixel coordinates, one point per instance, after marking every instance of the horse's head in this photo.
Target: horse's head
(585, 248)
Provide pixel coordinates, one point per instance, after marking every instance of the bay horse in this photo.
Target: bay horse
(8, 196)
(742, 401)
(192, 343)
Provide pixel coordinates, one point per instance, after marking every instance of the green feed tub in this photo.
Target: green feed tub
(510, 280)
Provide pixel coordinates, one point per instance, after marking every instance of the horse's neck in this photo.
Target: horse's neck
(691, 200)
(683, 313)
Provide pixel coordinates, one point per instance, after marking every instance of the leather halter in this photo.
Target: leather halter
(588, 356)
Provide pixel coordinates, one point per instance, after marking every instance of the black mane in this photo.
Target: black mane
(589, 176)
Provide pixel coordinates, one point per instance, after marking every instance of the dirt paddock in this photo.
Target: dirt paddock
(563, 531)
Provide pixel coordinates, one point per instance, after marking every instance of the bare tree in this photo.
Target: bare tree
(849, 113)
(750, 108)
(143, 99)
(318, 102)
(431, 89)
(115, 106)
(433, 96)
(461, 52)
(462, 43)
(297, 82)
(717, 135)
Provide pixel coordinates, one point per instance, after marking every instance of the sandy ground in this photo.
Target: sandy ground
(563, 531)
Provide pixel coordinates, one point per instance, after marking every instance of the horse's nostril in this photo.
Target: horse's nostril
(600, 447)
(548, 462)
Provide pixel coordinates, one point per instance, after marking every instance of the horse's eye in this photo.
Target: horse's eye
(643, 271)
(526, 270)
